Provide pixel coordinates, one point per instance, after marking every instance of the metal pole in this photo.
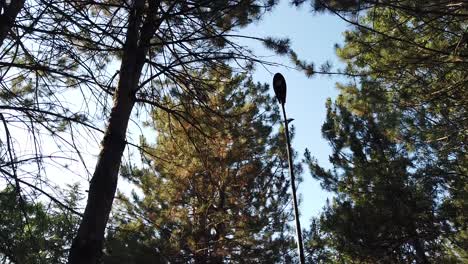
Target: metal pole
(300, 247)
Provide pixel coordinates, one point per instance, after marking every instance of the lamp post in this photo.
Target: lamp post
(279, 86)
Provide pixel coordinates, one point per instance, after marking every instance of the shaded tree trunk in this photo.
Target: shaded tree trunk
(88, 243)
(220, 228)
(420, 252)
(418, 245)
(8, 14)
(200, 256)
(202, 252)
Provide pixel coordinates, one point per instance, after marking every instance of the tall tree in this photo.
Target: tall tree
(117, 55)
(212, 193)
(386, 208)
(150, 23)
(411, 58)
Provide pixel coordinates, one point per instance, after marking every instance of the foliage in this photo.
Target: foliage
(33, 232)
(76, 71)
(211, 193)
(386, 208)
(398, 135)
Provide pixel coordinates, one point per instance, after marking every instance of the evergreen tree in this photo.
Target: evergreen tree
(33, 232)
(318, 246)
(418, 52)
(386, 208)
(212, 193)
(74, 68)
(411, 57)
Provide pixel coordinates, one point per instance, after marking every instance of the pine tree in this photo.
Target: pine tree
(386, 208)
(212, 193)
(411, 58)
(33, 232)
(418, 52)
(74, 68)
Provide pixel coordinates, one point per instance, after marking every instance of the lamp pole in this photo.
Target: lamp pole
(279, 86)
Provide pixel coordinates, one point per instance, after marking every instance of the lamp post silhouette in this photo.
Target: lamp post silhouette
(279, 86)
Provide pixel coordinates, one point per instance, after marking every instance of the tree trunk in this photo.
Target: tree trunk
(8, 17)
(88, 243)
(418, 245)
(219, 244)
(420, 252)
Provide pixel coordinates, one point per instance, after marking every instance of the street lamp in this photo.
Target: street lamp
(279, 86)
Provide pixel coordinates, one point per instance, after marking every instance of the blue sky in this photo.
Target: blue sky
(313, 37)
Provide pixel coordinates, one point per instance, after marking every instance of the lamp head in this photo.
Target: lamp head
(279, 86)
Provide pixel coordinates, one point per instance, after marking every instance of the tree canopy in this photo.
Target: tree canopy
(111, 57)
(398, 133)
(76, 75)
(211, 193)
(36, 232)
